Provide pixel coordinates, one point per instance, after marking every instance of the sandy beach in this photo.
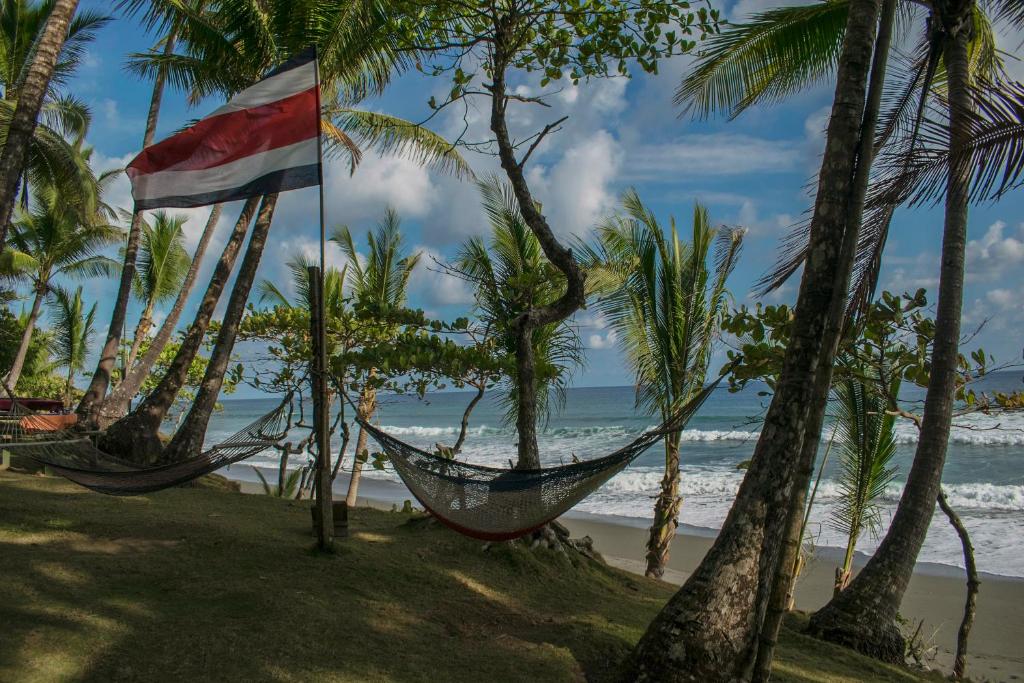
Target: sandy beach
(936, 593)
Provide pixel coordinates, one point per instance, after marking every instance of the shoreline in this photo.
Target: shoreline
(376, 492)
(935, 595)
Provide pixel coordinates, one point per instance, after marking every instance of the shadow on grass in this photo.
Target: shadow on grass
(194, 585)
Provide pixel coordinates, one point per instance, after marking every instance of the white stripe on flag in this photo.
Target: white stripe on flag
(285, 84)
(226, 176)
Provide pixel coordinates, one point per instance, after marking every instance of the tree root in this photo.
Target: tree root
(552, 536)
(886, 644)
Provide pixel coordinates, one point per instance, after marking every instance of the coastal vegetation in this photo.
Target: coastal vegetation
(942, 125)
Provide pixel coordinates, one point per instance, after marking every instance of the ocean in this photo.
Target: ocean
(983, 477)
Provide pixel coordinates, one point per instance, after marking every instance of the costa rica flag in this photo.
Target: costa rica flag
(263, 140)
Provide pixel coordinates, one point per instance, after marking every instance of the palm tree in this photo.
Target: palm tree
(116, 404)
(73, 330)
(30, 95)
(664, 301)
(162, 266)
(865, 439)
(864, 615)
(135, 436)
(188, 440)
(786, 49)
(49, 241)
(510, 276)
(711, 628)
(49, 158)
(377, 282)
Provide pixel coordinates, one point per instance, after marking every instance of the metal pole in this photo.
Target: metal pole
(321, 417)
(325, 517)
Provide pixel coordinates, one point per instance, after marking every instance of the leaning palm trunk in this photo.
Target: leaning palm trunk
(136, 436)
(87, 408)
(864, 615)
(367, 406)
(782, 589)
(188, 440)
(18, 364)
(31, 93)
(666, 512)
(116, 404)
(141, 331)
(709, 630)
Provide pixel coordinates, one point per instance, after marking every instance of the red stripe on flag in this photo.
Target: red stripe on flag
(220, 139)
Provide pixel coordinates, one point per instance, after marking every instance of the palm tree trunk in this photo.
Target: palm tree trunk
(188, 440)
(33, 89)
(782, 588)
(18, 364)
(367, 406)
(666, 512)
(863, 616)
(141, 330)
(108, 356)
(843, 572)
(136, 436)
(710, 628)
(68, 385)
(115, 406)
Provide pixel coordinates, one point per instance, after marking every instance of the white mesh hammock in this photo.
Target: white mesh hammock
(497, 504)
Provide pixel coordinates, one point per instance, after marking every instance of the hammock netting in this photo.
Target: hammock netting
(497, 504)
(74, 456)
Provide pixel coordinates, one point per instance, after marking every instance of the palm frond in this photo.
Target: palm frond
(163, 260)
(865, 439)
(662, 297)
(393, 135)
(511, 275)
(764, 60)
(994, 153)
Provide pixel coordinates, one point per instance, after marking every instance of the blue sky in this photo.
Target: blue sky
(752, 172)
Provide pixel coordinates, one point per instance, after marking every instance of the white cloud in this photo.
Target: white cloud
(605, 341)
(379, 182)
(1003, 298)
(710, 154)
(433, 285)
(744, 9)
(995, 252)
(576, 191)
(901, 280)
(110, 111)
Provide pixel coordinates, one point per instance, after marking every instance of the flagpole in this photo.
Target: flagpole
(318, 324)
(320, 160)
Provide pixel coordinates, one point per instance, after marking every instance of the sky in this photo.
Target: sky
(753, 172)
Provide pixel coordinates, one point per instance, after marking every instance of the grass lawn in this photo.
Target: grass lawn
(201, 585)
